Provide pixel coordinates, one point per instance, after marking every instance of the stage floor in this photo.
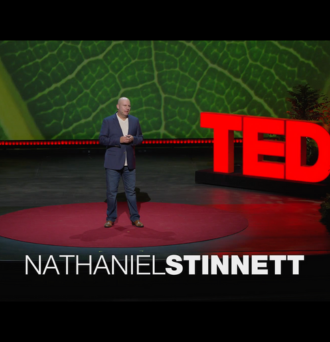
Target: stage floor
(277, 224)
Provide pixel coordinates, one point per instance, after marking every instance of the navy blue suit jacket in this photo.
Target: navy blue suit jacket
(110, 136)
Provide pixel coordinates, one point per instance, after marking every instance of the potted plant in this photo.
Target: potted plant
(309, 104)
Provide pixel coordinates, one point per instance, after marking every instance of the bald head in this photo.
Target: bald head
(122, 98)
(124, 107)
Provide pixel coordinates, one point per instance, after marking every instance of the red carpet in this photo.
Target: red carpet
(81, 225)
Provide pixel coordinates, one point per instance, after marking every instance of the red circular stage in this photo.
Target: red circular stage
(81, 225)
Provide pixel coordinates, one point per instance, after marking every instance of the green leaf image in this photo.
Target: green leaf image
(64, 89)
(2, 134)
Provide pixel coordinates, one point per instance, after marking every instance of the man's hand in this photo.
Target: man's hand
(126, 139)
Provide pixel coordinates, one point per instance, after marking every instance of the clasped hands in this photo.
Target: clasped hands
(126, 139)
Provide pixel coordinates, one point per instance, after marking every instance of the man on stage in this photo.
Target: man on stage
(120, 133)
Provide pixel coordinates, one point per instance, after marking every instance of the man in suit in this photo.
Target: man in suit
(120, 133)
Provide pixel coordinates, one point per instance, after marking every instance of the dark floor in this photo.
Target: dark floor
(278, 224)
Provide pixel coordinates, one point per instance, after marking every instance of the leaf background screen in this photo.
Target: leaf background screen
(64, 89)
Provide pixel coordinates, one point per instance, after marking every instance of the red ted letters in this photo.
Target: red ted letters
(255, 146)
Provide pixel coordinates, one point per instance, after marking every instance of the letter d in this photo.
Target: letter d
(296, 168)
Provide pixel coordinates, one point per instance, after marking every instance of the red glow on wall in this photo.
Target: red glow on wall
(96, 142)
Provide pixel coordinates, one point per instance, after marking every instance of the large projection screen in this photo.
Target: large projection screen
(53, 90)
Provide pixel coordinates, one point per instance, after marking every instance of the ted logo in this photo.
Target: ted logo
(255, 146)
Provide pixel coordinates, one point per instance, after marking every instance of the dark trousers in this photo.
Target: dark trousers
(113, 178)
